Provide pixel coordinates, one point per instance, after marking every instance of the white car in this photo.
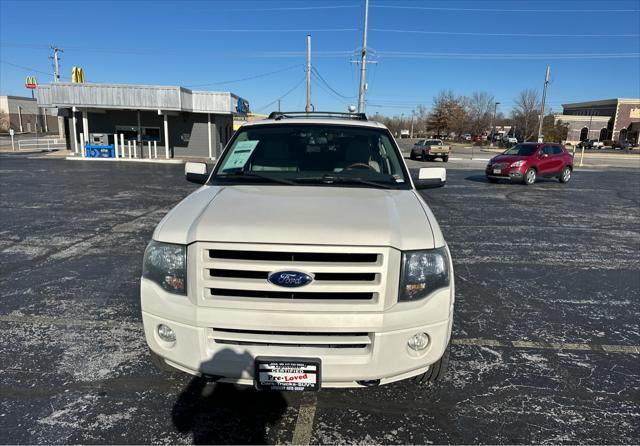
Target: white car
(510, 139)
(307, 259)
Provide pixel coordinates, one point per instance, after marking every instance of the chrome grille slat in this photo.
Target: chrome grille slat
(290, 339)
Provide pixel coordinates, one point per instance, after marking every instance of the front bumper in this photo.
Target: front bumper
(508, 173)
(386, 358)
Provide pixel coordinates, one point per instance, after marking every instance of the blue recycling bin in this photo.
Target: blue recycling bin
(92, 151)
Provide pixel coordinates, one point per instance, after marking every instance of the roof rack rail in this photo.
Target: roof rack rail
(318, 114)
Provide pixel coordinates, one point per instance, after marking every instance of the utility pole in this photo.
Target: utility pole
(56, 62)
(308, 107)
(279, 104)
(493, 119)
(544, 97)
(363, 60)
(413, 112)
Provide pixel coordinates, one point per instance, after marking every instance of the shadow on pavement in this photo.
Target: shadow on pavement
(218, 413)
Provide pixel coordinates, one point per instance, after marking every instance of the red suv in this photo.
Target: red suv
(528, 161)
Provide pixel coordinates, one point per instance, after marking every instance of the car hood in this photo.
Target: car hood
(507, 158)
(302, 215)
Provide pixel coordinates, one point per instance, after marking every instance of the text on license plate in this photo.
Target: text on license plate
(497, 170)
(292, 375)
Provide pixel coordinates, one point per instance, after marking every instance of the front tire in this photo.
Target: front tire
(436, 371)
(530, 176)
(565, 176)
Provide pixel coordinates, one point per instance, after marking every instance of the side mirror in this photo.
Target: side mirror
(196, 172)
(431, 177)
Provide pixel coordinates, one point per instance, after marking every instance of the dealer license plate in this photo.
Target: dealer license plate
(291, 374)
(497, 170)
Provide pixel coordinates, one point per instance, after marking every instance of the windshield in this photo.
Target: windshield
(303, 154)
(522, 150)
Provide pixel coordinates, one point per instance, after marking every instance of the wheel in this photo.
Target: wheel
(436, 370)
(445, 158)
(530, 176)
(412, 156)
(492, 180)
(160, 364)
(565, 176)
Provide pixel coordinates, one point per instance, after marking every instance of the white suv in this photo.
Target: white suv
(307, 259)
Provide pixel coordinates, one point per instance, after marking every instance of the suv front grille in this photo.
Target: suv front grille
(230, 276)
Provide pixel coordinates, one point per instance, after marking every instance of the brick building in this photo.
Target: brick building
(607, 120)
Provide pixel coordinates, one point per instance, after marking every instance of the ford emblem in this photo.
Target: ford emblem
(290, 279)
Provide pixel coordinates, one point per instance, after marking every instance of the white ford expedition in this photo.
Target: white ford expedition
(307, 259)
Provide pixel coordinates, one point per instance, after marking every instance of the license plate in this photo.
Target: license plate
(289, 374)
(497, 170)
(439, 154)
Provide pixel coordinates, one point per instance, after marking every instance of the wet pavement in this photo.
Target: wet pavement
(545, 344)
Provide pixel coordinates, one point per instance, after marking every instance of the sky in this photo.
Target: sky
(257, 49)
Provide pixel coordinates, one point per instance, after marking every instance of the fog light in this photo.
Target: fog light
(166, 333)
(418, 342)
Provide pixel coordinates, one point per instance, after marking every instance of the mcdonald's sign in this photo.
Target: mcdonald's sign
(30, 82)
(77, 75)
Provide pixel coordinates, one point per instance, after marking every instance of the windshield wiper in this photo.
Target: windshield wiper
(333, 179)
(241, 173)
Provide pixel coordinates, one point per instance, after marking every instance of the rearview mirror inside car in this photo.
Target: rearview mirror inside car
(430, 177)
(196, 172)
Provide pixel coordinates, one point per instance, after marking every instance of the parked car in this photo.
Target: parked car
(466, 137)
(590, 144)
(526, 162)
(625, 145)
(510, 139)
(307, 259)
(430, 149)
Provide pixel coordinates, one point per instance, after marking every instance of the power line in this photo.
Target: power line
(26, 68)
(304, 78)
(318, 76)
(291, 8)
(436, 8)
(257, 76)
(456, 33)
(272, 30)
(529, 56)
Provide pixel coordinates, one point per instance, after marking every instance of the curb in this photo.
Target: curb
(127, 160)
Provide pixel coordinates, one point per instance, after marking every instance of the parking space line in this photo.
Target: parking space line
(306, 417)
(549, 345)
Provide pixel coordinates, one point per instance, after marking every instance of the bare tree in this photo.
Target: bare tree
(448, 113)
(480, 106)
(525, 112)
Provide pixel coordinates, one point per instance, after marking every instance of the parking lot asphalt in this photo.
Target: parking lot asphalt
(546, 341)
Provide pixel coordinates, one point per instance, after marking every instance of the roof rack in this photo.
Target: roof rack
(326, 115)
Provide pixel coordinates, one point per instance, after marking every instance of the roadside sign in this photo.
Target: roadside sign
(11, 133)
(30, 82)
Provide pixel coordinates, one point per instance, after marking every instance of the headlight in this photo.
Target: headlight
(422, 273)
(165, 264)
(517, 163)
